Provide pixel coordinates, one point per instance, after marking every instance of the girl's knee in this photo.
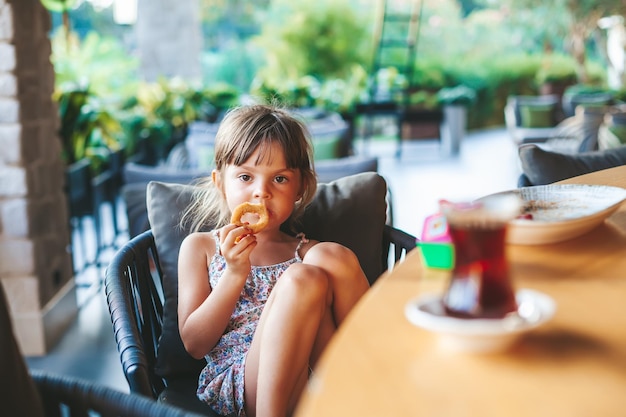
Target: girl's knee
(307, 280)
(334, 257)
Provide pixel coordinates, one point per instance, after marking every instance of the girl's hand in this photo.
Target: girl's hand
(236, 244)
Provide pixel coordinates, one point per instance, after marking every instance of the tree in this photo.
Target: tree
(324, 39)
(575, 20)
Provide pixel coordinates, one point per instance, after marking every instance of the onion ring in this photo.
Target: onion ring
(257, 209)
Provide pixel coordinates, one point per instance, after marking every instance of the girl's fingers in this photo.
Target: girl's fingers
(230, 231)
(241, 234)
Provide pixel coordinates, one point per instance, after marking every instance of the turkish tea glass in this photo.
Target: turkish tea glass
(480, 285)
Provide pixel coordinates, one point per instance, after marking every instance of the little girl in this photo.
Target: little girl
(260, 308)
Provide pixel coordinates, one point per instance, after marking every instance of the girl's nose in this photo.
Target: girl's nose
(261, 191)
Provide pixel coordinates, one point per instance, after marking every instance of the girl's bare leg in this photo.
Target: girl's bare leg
(347, 280)
(295, 322)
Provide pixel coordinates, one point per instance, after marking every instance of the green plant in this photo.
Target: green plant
(87, 129)
(459, 95)
(98, 61)
(154, 112)
(323, 39)
(300, 92)
(556, 68)
(91, 76)
(309, 47)
(429, 75)
(221, 96)
(424, 99)
(342, 95)
(569, 25)
(161, 111)
(335, 94)
(584, 89)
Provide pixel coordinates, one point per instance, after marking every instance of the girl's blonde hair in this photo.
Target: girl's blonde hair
(243, 131)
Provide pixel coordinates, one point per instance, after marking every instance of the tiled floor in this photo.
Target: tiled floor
(423, 174)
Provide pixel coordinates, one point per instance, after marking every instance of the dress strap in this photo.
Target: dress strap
(216, 236)
(303, 240)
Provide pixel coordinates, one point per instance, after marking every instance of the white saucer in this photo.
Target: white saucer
(480, 335)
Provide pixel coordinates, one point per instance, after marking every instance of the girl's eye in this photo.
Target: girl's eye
(244, 177)
(281, 179)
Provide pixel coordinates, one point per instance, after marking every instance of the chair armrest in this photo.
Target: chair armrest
(131, 271)
(401, 241)
(80, 397)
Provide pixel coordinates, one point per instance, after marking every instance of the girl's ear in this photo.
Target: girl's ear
(216, 178)
(300, 194)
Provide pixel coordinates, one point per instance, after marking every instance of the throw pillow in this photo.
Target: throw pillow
(326, 148)
(545, 167)
(165, 203)
(537, 115)
(516, 102)
(134, 197)
(350, 211)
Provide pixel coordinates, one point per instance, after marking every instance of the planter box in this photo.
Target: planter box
(421, 124)
(454, 128)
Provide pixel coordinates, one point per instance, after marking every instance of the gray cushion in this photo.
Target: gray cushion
(138, 173)
(545, 167)
(519, 101)
(134, 197)
(350, 210)
(166, 202)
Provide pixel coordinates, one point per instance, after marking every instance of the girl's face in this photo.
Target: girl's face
(262, 179)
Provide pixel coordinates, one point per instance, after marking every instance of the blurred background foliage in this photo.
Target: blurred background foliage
(320, 54)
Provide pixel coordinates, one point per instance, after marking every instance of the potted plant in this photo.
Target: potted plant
(87, 130)
(586, 95)
(555, 75)
(455, 101)
(422, 115)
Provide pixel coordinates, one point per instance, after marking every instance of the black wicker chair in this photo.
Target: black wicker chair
(38, 393)
(68, 396)
(141, 286)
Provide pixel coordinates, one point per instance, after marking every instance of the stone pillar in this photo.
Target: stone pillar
(169, 38)
(35, 265)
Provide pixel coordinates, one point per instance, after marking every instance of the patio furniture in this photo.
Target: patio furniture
(38, 393)
(87, 196)
(328, 133)
(141, 281)
(541, 166)
(380, 364)
(62, 394)
(138, 176)
(571, 101)
(532, 118)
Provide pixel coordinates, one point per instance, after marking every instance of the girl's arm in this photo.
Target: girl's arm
(204, 312)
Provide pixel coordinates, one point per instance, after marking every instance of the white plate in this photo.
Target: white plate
(562, 211)
(480, 335)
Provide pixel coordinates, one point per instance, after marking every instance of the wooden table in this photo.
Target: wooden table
(575, 365)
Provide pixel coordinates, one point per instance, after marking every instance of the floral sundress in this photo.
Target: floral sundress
(221, 382)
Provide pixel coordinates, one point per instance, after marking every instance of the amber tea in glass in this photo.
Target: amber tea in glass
(480, 285)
